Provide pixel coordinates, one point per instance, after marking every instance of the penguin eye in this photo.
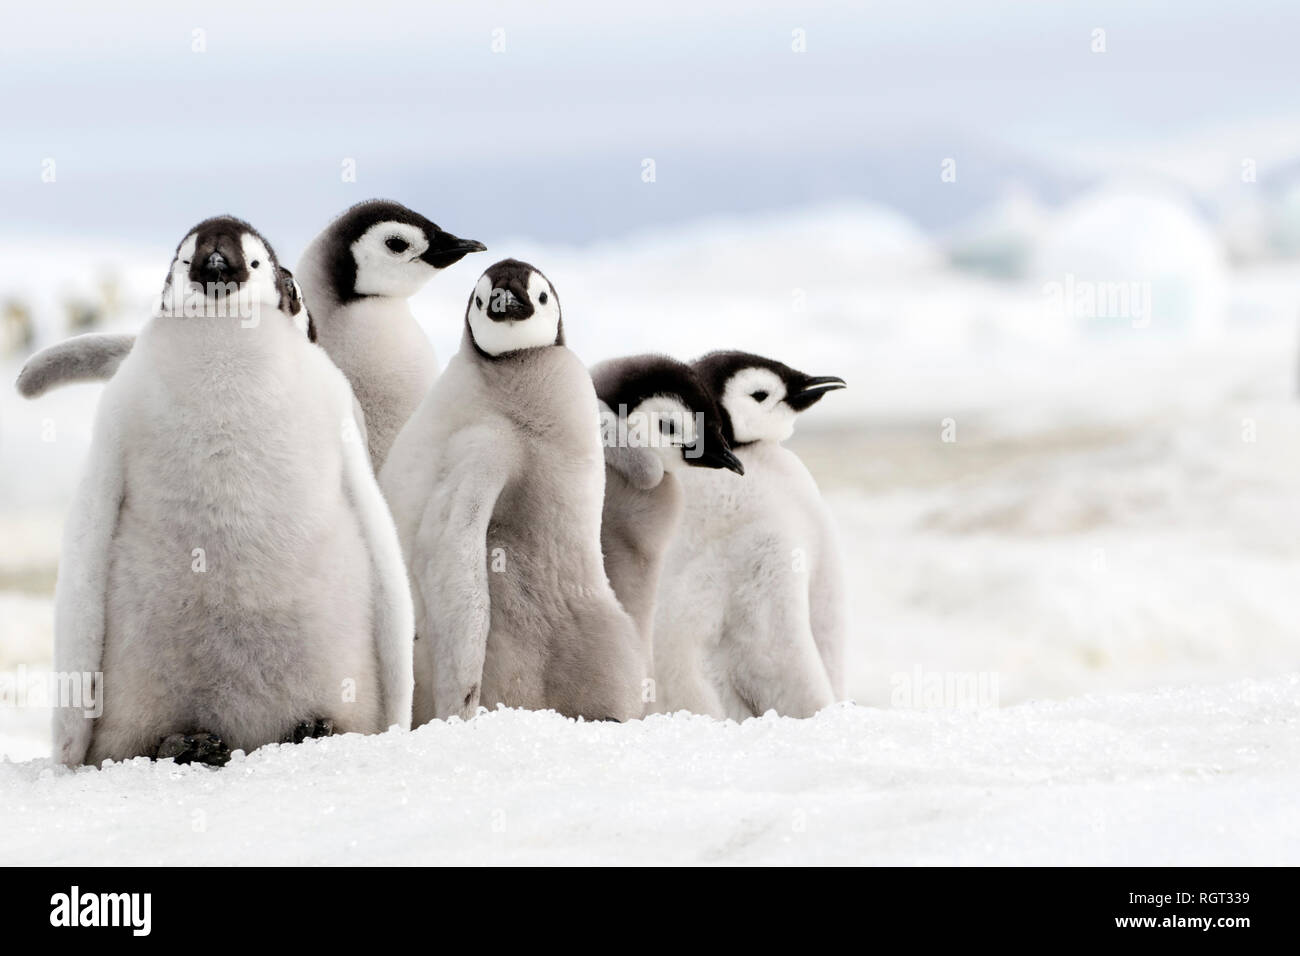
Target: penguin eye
(397, 244)
(759, 396)
(478, 302)
(542, 298)
(255, 263)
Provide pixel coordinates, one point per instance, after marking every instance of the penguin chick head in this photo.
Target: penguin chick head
(513, 307)
(381, 248)
(660, 403)
(223, 266)
(759, 397)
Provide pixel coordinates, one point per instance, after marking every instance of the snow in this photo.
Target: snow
(1204, 775)
(1085, 560)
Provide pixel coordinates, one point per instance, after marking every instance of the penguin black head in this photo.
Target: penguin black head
(664, 406)
(759, 397)
(513, 307)
(381, 248)
(223, 266)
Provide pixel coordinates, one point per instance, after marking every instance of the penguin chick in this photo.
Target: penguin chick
(750, 607)
(358, 275)
(656, 419)
(496, 485)
(229, 573)
(95, 356)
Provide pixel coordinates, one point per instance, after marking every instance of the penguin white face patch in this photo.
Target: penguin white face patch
(177, 287)
(388, 260)
(664, 424)
(754, 399)
(263, 283)
(496, 332)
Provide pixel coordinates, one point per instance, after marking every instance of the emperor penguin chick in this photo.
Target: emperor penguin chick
(230, 576)
(750, 607)
(496, 485)
(358, 275)
(656, 419)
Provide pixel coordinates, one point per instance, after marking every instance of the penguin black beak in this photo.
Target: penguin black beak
(446, 249)
(717, 456)
(509, 304)
(812, 389)
(218, 261)
(214, 268)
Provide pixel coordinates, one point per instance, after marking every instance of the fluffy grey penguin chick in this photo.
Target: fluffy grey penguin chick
(358, 275)
(496, 485)
(657, 419)
(229, 572)
(750, 613)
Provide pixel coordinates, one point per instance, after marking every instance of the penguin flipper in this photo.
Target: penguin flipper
(450, 566)
(778, 666)
(393, 615)
(93, 357)
(80, 594)
(828, 615)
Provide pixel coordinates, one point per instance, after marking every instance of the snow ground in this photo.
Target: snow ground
(1188, 776)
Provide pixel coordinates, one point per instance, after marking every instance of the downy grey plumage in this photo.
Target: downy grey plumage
(751, 603)
(228, 564)
(496, 485)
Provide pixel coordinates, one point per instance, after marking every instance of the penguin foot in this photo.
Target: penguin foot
(198, 747)
(310, 729)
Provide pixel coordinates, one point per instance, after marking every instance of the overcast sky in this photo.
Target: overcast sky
(547, 137)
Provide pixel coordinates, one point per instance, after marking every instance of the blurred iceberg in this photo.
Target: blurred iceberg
(1127, 259)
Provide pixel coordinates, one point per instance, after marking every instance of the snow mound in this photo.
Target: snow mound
(1119, 236)
(1200, 775)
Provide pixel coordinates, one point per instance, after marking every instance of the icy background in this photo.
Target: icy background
(1111, 538)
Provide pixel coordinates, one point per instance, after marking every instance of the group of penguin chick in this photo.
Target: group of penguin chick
(291, 525)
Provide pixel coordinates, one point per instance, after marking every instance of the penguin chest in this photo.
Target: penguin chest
(238, 578)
